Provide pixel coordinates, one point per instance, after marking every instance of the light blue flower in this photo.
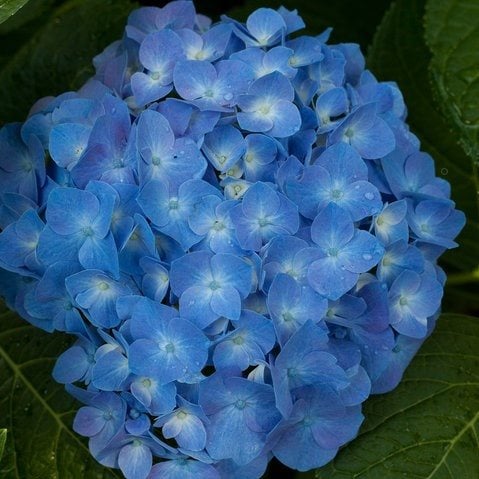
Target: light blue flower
(210, 286)
(263, 214)
(345, 253)
(268, 107)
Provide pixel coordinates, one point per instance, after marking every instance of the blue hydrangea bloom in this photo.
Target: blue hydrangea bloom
(241, 233)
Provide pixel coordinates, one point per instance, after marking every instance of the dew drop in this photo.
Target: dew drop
(228, 96)
(367, 257)
(182, 152)
(369, 196)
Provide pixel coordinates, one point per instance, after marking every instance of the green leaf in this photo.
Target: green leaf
(9, 8)
(348, 18)
(3, 439)
(399, 53)
(36, 410)
(58, 57)
(18, 30)
(452, 33)
(429, 426)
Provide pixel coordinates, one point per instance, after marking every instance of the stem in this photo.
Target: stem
(463, 278)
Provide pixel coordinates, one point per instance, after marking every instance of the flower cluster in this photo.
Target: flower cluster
(240, 230)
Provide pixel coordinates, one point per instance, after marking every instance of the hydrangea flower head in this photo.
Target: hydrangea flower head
(241, 232)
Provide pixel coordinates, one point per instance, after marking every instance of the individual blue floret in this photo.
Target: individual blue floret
(110, 371)
(135, 460)
(223, 147)
(307, 51)
(96, 293)
(166, 347)
(390, 224)
(22, 163)
(241, 414)
(186, 425)
(139, 244)
(155, 281)
(174, 15)
(436, 222)
(210, 218)
(338, 176)
(398, 257)
(264, 27)
(169, 207)
(252, 338)
(75, 364)
(263, 214)
(210, 286)
(72, 123)
(51, 301)
(268, 107)
(159, 53)
(328, 73)
(291, 305)
(366, 132)
(163, 157)
(413, 174)
(386, 368)
(108, 156)
(330, 107)
(263, 63)
(318, 425)
(212, 87)
(18, 242)
(287, 254)
(209, 46)
(413, 298)
(345, 252)
(303, 362)
(101, 419)
(78, 228)
(157, 398)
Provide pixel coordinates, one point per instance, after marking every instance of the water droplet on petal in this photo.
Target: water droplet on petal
(367, 257)
(369, 196)
(228, 96)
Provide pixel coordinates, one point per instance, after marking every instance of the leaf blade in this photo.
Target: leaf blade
(452, 33)
(8, 8)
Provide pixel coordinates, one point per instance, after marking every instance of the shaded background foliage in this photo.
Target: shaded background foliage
(429, 426)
